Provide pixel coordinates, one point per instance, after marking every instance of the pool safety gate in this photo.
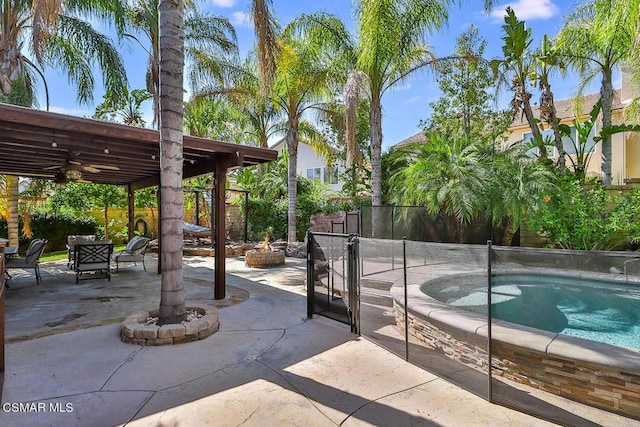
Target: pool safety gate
(453, 331)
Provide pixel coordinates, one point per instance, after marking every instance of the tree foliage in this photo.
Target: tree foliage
(466, 109)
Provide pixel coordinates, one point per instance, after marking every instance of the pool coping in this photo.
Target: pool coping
(552, 344)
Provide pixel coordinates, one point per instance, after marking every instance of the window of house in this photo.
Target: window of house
(567, 143)
(314, 174)
(590, 145)
(331, 175)
(535, 151)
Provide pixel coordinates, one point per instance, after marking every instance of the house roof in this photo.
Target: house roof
(418, 138)
(565, 109)
(42, 144)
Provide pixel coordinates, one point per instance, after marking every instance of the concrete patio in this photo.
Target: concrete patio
(268, 364)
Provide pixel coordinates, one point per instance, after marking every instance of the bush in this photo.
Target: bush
(55, 227)
(588, 217)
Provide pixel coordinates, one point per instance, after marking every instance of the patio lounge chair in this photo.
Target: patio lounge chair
(93, 256)
(31, 258)
(71, 242)
(193, 230)
(134, 252)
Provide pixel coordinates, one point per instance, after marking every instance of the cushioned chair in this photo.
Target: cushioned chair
(71, 242)
(31, 258)
(93, 256)
(134, 252)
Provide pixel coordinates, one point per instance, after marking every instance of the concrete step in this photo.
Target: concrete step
(375, 297)
(384, 285)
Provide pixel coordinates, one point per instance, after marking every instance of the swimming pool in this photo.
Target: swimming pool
(538, 314)
(599, 310)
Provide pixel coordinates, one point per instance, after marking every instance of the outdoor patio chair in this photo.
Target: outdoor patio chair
(31, 258)
(71, 242)
(134, 252)
(93, 256)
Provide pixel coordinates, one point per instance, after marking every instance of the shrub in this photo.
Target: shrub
(55, 227)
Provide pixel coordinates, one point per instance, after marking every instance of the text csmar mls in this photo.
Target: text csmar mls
(56, 407)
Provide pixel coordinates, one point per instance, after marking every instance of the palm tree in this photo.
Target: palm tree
(448, 177)
(301, 84)
(515, 70)
(56, 37)
(517, 187)
(239, 84)
(171, 55)
(266, 29)
(389, 46)
(203, 33)
(595, 40)
(547, 60)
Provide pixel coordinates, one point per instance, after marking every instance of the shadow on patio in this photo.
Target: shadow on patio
(268, 364)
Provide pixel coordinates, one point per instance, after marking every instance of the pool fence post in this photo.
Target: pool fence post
(310, 278)
(489, 349)
(393, 246)
(406, 310)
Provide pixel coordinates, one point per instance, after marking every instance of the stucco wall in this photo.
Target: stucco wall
(309, 159)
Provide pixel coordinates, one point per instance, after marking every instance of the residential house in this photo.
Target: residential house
(314, 166)
(625, 159)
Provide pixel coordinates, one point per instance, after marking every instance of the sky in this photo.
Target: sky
(406, 104)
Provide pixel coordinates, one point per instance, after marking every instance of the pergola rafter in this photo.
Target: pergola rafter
(40, 144)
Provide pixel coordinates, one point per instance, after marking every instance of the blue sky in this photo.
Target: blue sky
(403, 107)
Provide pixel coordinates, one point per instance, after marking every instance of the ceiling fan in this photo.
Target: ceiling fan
(73, 170)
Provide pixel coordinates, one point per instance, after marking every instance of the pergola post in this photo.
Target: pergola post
(233, 160)
(220, 243)
(130, 211)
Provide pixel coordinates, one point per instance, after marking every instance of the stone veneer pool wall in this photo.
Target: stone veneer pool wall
(597, 374)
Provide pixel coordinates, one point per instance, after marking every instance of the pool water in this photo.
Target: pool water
(603, 311)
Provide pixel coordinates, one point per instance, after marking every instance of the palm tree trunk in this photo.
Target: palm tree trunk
(535, 130)
(106, 222)
(12, 210)
(606, 94)
(171, 18)
(376, 163)
(292, 181)
(10, 73)
(509, 232)
(552, 118)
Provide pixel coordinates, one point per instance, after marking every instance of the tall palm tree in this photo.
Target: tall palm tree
(203, 33)
(515, 70)
(390, 45)
(171, 55)
(301, 84)
(596, 39)
(54, 34)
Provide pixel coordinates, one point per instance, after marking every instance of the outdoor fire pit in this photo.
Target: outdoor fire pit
(263, 257)
(255, 258)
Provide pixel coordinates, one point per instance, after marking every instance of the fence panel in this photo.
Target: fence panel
(327, 288)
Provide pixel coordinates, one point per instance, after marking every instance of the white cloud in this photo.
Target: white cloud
(528, 9)
(413, 99)
(241, 19)
(223, 3)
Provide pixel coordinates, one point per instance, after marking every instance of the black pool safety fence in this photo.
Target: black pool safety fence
(526, 328)
(416, 223)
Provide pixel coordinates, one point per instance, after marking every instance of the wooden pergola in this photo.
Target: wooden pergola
(40, 144)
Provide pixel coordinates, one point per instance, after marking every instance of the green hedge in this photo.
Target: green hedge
(55, 227)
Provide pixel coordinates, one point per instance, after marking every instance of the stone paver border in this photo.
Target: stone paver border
(134, 330)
